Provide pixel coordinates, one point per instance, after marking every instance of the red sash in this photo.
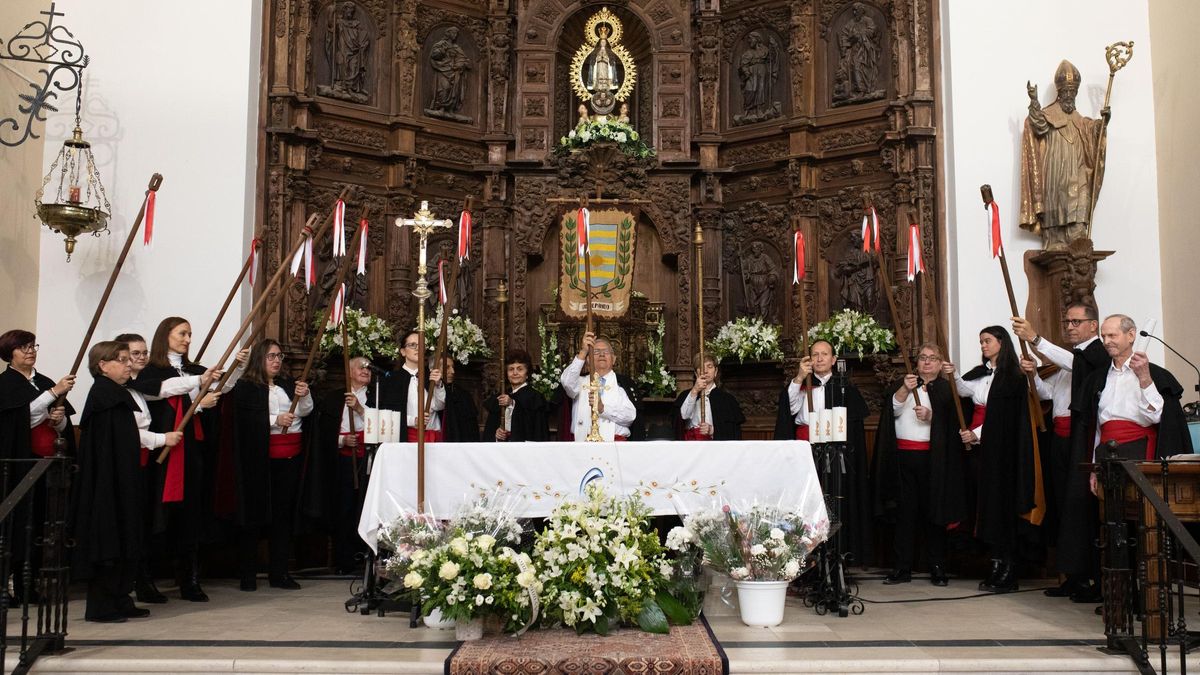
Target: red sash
(1124, 431)
(978, 416)
(173, 479)
(431, 435)
(618, 438)
(802, 432)
(1062, 426)
(694, 434)
(360, 449)
(284, 446)
(41, 439)
(144, 457)
(913, 446)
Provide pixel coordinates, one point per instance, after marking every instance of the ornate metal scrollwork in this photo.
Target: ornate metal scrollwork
(56, 48)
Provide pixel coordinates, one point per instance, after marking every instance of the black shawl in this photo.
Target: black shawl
(460, 419)
(251, 461)
(727, 418)
(15, 396)
(529, 418)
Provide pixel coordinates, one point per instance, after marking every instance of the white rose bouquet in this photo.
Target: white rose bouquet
(746, 338)
(463, 338)
(760, 543)
(366, 335)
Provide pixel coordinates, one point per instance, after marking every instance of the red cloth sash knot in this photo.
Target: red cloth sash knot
(913, 446)
(360, 449)
(41, 439)
(618, 438)
(693, 434)
(284, 446)
(802, 432)
(978, 416)
(1062, 426)
(431, 435)
(173, 480)
(1124, 431)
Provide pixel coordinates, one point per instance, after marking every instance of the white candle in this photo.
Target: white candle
(839, 431)
(371, 425)
(383, 426)
(396, 416)
(824, 426)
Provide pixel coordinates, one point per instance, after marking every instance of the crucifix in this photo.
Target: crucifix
(423, 224)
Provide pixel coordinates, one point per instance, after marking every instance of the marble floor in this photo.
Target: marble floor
(912, 628)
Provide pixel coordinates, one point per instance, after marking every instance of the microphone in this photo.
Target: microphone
(1176, 353)
(377, 370)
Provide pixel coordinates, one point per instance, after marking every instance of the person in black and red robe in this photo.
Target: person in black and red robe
(33, 413)
(398, 391)
(350, 452)
(723, 416)
(519, 414)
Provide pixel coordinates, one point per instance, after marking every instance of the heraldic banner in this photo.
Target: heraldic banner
(610, 243)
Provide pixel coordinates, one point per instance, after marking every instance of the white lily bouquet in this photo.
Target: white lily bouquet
(747, 338)
(545, 380)
(853, 331)
(602, 566)
(464, 339)
(756, 543)
(655, 379)
(366, 335)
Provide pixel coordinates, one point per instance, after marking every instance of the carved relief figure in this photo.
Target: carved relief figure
(1060, 150)
(758, 71)
(347, 51)
(856, 272)
(450, 65)
(759, 279)
(859, 44)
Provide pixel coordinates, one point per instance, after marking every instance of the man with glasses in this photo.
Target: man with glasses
(1072, 504)
(399, 392)
(617, 411)
(919, 466)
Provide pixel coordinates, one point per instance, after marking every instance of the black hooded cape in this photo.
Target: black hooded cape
(108, 507)
(251, 461)
(529, 419)
(727, 417)
(15, 396)
(460, 419)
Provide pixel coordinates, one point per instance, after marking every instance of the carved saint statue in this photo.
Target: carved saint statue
(347, 48)
(856, 273)
(759, 279)
(758, 71)
(1060, 150)
(450, 65)
(603, 76)
(859, 44)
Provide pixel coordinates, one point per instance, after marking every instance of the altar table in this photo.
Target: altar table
(673, 477)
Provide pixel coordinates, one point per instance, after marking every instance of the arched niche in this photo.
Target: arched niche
(347, 54)
(451, 75)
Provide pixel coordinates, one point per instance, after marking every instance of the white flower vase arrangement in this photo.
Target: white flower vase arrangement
(656, 380)
(367, 335)
(761, 548)
(464, 339)
(545, 380)
(853, 332)
(747, 339)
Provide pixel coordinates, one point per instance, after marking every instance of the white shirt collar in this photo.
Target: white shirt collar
(411, 370)
(176, 360)
(1085, 343)
(825, 379)
(1112, 367)
(519, 388)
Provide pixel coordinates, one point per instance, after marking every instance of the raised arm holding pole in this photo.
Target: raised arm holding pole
(798, 274)
(698, 247)
(450, 294)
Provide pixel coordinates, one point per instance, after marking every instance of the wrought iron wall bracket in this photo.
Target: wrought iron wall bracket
(63, 60)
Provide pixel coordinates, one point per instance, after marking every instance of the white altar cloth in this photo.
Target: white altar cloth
(672, 476)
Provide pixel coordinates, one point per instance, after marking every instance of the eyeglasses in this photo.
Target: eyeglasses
(138, 355)
(412, 345)
(928, 359)
(603, 352)
(275, 356)
(1075, 323)
(30, 349)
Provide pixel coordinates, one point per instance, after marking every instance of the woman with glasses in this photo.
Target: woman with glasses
(33, 413)
(109, 508)
(399, 392)
(183, 485)
(268, 438)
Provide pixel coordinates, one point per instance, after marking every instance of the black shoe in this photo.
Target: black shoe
(1088, 594)
(107, 618)
(192, 592)
(148, 593)
(897, 577)
(938, 576)
(1006, 583)
(1064, 590)
(990, 582)
(287, 583)
(135, 613)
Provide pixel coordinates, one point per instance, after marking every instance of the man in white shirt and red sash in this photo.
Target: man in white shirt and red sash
(616, 407)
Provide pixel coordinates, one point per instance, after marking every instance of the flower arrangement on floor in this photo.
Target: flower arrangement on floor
(602, 129)
(758, 543)
(463, 340)
(747, 338)
(656, 380)
(545, 380)
(366, 335)
(853, 331)
(601, 565)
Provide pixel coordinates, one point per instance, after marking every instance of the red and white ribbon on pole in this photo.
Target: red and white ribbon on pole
(254, 244)
(798, 269)
(362, 248)
(870, 229)
(916, 263)
(994, 242)
(305, 256)
(442, 281)
(148, 232)
(582, 225)
(337, 313)
(339, 229)
(464, 236)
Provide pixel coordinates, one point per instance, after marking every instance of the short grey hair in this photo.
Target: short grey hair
(1127, 324)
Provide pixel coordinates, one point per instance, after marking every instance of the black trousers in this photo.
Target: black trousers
(346, 542)
(109, 588)
(1057, 465)
(285, 479)
(913, 513)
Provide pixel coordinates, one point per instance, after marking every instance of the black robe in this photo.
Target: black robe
(1007, 484)
(460, 418)
(727, 417)
(857, 535)
(529, 418)
(1076, 548)
(108, 507)
(252, 438)
(393, 395)
(15, 396)
(947, 480)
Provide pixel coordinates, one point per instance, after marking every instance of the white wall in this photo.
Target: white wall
(989, 51)
(173, 88)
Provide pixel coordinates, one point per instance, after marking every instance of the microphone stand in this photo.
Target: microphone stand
(1195, 405)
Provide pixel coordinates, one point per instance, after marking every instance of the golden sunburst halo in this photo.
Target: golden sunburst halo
(603, 16)
(590, 40)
